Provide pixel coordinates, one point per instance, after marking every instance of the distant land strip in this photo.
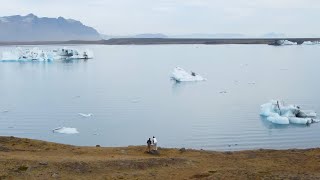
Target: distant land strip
(159, 41)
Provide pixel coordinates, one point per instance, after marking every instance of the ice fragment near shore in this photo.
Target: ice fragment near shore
(65, 130)
(277, 113)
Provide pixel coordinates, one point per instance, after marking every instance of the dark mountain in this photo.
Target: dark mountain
(33, 28)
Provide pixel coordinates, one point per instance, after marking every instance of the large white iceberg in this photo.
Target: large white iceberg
(278, 113)
(181, 75)
(37, 54)
(65, 130)
(26, 54)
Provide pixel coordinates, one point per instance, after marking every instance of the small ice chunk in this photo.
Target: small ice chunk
(71, 53)
(85, 115)
(135, 100)
(182, 75)
(315, 120)
(65, 130)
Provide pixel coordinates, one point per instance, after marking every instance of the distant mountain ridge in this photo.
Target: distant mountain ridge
(32, 28)
(274, 35)
(146, 35)
(199, 36)
(218, 35)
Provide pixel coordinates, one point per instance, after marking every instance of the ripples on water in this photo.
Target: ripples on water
(131, 97)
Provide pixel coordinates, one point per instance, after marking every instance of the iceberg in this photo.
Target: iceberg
(65, 130)
(37, 54)
(311, 42)
(70, 53)
(181, 75)
(20, 54)
(283, 43)
(278, 113)
(287, 42)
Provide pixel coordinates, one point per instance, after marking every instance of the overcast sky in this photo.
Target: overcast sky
(173, 17)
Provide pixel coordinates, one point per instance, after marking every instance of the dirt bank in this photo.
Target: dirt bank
(33, 159)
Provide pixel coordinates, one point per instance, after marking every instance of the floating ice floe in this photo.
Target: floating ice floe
(25, 54)
(180, 75)
(283, 43)
(287, 42)
(135, 100)
(65, 130)
(37, 54)
(85, 115)
(276, 112)
(69, 53)
(310, 42)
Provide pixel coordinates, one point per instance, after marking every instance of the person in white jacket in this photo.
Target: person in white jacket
(154, 142)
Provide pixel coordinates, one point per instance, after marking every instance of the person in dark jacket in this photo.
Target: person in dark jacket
(149, 144)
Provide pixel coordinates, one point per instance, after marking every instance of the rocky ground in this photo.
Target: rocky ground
(33, 159)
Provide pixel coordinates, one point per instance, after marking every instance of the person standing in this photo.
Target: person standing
(154, 141)
(149, 144)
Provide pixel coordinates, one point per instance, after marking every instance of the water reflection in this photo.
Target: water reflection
(178, 87)
(73, 61)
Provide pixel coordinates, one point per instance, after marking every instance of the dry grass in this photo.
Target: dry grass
(32, 159)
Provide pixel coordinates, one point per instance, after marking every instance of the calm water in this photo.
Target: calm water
(131, 97)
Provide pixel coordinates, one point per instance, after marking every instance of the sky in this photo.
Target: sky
(179, 17)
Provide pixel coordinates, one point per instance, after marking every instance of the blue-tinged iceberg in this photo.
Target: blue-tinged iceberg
(26, 54)
(181, 75)
(278, 113)
(37, 54)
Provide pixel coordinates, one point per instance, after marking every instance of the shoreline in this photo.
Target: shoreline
(163, 41)
(22, 158)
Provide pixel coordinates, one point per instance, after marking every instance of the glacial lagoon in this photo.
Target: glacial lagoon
(130, 97)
